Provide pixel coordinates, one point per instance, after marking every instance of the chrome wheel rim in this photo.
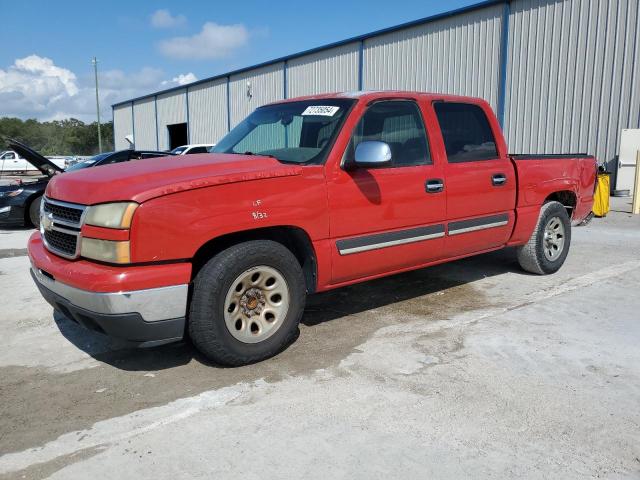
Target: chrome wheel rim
(256, 304)
(554, 236)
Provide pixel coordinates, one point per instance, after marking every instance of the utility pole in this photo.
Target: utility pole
(94, 62)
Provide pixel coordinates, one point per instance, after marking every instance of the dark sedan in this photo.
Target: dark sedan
(20, 202)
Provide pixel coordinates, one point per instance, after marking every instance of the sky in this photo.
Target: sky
(142, 46)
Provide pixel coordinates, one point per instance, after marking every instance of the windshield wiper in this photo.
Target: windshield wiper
(260, 155)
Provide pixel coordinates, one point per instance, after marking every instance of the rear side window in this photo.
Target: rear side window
(466, 132)
(397, 123)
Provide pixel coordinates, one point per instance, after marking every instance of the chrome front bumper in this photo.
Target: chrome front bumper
(152, 305)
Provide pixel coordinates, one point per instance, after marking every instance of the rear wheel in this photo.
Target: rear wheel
(34, 212)
(547, 249)
(247, 303)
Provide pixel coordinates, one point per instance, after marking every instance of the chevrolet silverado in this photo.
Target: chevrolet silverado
(303, 196)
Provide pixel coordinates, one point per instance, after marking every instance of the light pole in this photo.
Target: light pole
(94, 62)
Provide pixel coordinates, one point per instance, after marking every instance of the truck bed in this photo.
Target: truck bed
(549, 156)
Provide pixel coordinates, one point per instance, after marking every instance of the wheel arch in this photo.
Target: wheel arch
(294, 238)
(567, 198)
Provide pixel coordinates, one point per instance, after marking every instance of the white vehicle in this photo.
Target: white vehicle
(11, 161)
(194, 148)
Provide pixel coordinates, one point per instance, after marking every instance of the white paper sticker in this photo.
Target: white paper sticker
(326, 111)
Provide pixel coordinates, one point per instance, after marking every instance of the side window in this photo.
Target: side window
(115, 158)
(197, 150)
(10, 156)
(400, 125)
(466, 132)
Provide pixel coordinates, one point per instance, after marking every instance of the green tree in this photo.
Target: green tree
(59, 137)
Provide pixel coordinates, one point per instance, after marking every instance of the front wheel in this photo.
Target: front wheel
(247, 303)
(547, 249)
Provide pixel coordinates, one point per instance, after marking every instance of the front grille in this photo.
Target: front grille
(63, 212)
(61, 242)
(61, 224)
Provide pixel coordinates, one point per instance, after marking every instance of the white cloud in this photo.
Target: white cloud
(34, 87)
(213, 41)
(163, 19)
(181, 79)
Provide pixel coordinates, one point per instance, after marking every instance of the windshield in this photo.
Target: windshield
(178, 150)
(89, 162)
(296, 132)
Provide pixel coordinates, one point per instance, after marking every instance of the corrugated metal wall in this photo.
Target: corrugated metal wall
(144, 116)
(267, 85)
(122, 125)
(172, 109)
(570, 84)
(458, 55)
(333, 70)
(572, 79)
(208, 111)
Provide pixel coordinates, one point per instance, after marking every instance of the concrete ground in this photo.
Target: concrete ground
(472, 369)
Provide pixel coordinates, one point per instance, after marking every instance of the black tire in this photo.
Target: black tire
(207, 328)
(34, 212)
(531, 256)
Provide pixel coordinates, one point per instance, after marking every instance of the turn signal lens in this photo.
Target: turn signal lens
(111, 215)
(105, 250)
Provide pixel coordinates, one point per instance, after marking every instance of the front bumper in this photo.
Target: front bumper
(146, 317)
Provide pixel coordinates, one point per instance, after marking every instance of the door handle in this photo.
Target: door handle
(434, 185)
(498, 179)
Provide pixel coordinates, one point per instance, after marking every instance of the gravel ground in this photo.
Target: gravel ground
(472, 369)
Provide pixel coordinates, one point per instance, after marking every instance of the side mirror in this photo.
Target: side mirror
(372, 154)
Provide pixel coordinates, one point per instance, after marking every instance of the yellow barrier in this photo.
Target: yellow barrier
(601, 197)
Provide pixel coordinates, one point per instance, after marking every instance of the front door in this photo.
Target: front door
(383, 219)
(479, 180)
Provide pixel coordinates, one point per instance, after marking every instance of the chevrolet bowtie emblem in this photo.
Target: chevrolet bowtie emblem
(47, 221)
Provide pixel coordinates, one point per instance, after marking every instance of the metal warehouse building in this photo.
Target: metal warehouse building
(563, 76)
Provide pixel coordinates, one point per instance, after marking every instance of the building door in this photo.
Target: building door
(177, 135)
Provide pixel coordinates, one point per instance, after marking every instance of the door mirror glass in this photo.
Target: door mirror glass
(372, 154)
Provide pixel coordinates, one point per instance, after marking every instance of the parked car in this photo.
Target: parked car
(12, 162)
(303, 196)
(20, 202)
(191, 149)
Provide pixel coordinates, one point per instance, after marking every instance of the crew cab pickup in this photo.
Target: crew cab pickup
(303, 196)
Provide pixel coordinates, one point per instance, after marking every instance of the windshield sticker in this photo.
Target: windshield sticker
(325, 111)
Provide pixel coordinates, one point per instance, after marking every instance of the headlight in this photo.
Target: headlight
(111, 215)
(12, 193)
(105, 250)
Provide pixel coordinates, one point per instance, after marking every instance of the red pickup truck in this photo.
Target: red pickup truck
(303, 196)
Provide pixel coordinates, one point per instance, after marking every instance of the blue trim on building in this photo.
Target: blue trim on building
(284, 78)
(186, 100)
(155, 112)
(361, 66)
(358, 38)
(113, 127)
(504, 62)
(228, 104)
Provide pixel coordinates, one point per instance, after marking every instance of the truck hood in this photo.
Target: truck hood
(141, 180)
(34, 158)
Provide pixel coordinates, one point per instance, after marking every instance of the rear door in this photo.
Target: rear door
(382, 219)
(479, 177)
